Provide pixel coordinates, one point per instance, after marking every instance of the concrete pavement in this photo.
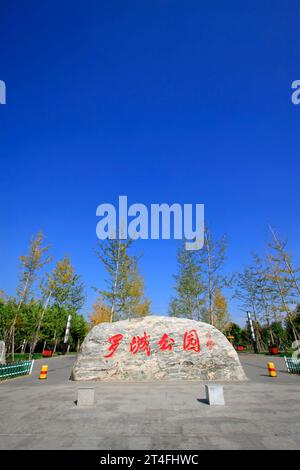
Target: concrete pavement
(262, 413)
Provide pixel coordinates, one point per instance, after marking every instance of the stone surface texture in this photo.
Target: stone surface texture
(216, 360)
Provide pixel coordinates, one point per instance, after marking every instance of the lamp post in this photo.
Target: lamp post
(67, 335)
(254, 342)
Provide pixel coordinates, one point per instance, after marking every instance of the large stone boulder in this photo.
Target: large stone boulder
(157, 348)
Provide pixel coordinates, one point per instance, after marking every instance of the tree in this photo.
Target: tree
(134, 302)
(78, 331)
(56, 321)
(100, 313)
(246, 289)
(35, 338)
(284, 259)
(221, 310)
(284, 279)
(8, 310)
(280, 334)
(269, 288)
(199, 276)
(64, 289)
(124, 293)
(210, 261)
(232, 329)
(30, 265)
(2, 295)
(188, 300)
(254, 292)
(294, 324)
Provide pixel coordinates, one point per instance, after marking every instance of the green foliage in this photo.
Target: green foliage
(7, 314)
(242, 336)
(64, 286)
(234, 330)
(54, 322)
(198, 282)
(292, 323)
(269, 288)
(188, 302)
(113, 254)
(36, 259)
(27, 321)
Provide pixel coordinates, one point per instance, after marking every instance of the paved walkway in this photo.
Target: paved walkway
(262, 413)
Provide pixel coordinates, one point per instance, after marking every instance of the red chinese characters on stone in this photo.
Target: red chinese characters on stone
(166, 343)
(210, 342)
(191, 341)
(115, 341)
(140, 343)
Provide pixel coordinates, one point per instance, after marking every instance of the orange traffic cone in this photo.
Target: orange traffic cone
(272, 370)
(43, 373)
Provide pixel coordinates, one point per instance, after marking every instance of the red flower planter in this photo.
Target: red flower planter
(273, 351)
(47, 353)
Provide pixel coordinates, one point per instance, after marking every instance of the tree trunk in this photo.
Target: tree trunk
(35, 339)
(23, 349)
(13, 345)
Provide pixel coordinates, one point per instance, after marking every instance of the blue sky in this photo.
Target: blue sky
(163, 101)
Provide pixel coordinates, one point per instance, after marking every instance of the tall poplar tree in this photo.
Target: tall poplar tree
(124, 294)
(210, 260)
(65, 291)
(113, 254)
(284, 280)
(31, 264)
(189, 289)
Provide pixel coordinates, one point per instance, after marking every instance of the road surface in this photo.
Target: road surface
(262, 413)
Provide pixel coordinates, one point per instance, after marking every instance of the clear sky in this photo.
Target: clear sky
(163, 101)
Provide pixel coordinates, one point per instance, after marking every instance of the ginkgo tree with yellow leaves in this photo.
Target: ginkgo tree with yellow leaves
(100, 313)
(220, 307)
(63, 290)
(132, 303)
